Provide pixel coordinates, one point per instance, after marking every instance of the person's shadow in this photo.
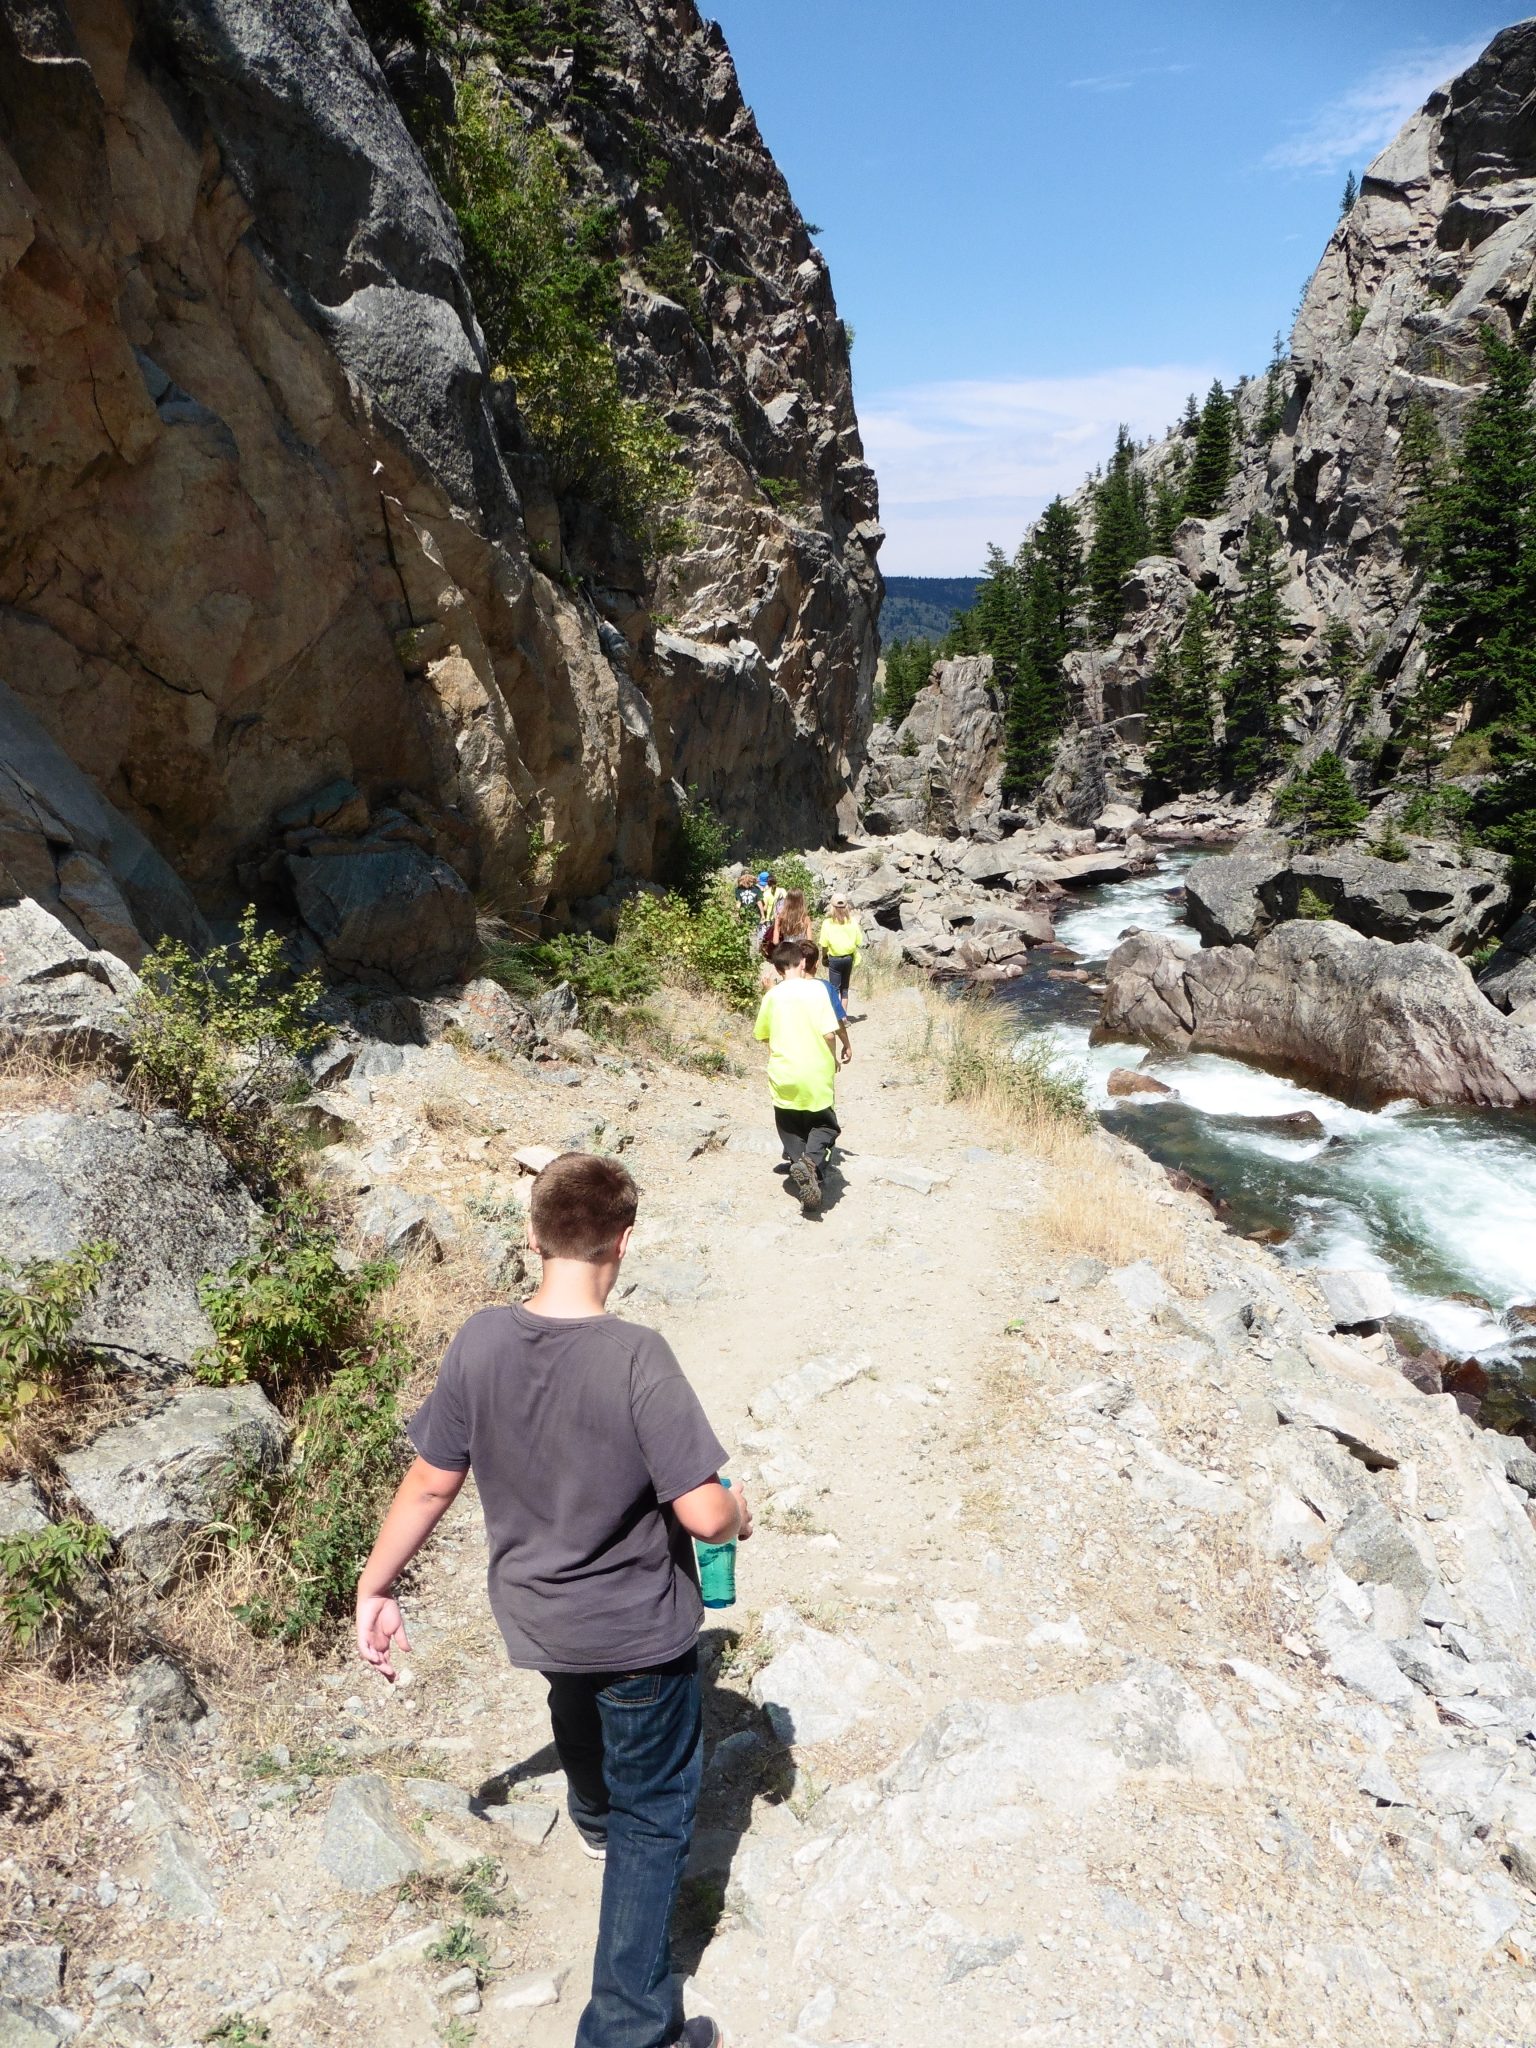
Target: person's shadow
(743, 1761)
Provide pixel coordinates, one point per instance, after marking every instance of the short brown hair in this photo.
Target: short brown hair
(810, 953)
(581, 1205)
(788, 953)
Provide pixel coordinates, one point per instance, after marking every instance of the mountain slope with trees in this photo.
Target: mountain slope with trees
(1358, 523)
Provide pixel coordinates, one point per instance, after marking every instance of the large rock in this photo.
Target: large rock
(60, 996)
(161, 1193)
(1437, 895)
(1509, 979)
(80, 858)
(941, 769)
(1221, 897)
(399, 917)
(1373, 1021)
(155, 1482)
(815, 1686)
(364, 1847)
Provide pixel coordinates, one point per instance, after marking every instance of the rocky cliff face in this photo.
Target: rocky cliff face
(1441, 242)
(269, 526)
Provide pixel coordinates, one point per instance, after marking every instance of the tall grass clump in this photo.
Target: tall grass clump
(1014, 1079)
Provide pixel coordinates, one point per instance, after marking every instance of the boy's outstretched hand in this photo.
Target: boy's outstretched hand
(380, 1624)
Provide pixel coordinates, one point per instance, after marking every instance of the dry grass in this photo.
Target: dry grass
(430, 1300)
(882, 969)
(445, 1113)
(1090, 1205)
(681, 1027)
(33, 1080)
(1011, 1078)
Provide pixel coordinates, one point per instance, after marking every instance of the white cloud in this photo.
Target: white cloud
(1122, 81)
(961, 464)
(1350, 130)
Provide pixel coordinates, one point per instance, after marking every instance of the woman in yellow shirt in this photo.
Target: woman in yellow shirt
(842, 941)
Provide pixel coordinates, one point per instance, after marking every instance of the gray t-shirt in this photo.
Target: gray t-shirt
(578, 1433)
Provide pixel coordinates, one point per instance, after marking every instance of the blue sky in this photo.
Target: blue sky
(1043, 217)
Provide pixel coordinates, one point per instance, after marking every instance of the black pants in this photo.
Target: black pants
(840, 971)
(808, 1131)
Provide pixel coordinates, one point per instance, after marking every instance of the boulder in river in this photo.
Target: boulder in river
(1129, 1081)
(1294, 1123)
(1437, 895)
(1221, 897)
(1373, 1020)
(1509, 979)
(1355, 1297)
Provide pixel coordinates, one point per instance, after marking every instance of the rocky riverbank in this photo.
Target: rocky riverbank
(973, 907)
(1104, 1594)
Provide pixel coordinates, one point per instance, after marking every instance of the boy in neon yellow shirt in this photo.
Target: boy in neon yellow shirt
(797, 1023)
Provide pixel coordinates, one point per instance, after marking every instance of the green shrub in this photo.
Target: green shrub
(39, 1305)
(1437, 810)
(41, 1572)
(668, 265)
(783, 494)
(708, 948)
(462, 1944)
(601, 975)
(700, 849)
(214, 1038)
(311, 1528)
(546, 292)
(1390, 845)
(1357, 319)
(1310, 905)
(286, 1315)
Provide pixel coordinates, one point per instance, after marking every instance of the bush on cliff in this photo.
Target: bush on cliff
(215, 1036)
(546, 292)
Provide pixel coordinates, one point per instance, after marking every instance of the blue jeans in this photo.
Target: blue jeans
(840, 971)
(630, 1744)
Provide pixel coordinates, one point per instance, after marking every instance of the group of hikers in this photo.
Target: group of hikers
(597, 1472)
(803, 1018)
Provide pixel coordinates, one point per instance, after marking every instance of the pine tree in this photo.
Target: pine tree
(1322, 799)
(1272, 418)
(1166, 511)
(1351, 194)
(1478, 617)
(1161, 711)
(1420, 477)
(1189, 424)
(908, 664)
(1180, 707)
(1198, 686)
(1121, 536)
(1259, 673)
(1211, 470)
(1051, 569)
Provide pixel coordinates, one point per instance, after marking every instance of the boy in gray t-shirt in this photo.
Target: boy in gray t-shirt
(595, 1467)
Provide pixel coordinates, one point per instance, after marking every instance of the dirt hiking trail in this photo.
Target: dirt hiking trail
(1030, 1718)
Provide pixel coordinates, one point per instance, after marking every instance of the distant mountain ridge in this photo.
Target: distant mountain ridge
(920, 607)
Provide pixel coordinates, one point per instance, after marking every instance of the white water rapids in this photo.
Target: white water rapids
(1442, 1201)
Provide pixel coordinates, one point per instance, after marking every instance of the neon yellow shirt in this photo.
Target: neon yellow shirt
(841, 938)
(795, 1019)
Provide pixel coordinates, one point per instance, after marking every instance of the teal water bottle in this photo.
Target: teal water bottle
(717, 1570)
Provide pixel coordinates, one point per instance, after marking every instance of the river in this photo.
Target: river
(1441, 1200)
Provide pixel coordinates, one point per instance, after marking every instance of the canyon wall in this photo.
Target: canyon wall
(279, 575)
